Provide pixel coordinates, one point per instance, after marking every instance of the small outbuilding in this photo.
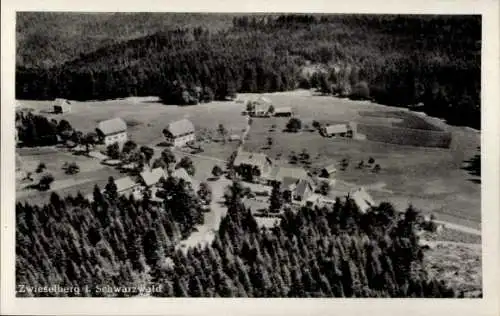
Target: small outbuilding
(61, 106)
(328, 171)
(283, 112)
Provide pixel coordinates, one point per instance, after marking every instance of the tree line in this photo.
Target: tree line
(324, 252)
(363, 57)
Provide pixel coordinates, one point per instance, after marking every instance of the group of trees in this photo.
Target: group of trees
(38, 130)
(363, 57)
(321, 252)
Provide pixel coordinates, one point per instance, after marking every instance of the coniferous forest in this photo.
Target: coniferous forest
(119, 242)
(396, 60)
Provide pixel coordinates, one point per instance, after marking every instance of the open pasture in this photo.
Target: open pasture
(429, 178)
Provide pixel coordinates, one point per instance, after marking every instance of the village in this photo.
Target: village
(135, 169)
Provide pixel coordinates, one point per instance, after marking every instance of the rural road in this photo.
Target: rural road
(204, 234)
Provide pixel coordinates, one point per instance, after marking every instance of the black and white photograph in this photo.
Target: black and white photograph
(247, 155)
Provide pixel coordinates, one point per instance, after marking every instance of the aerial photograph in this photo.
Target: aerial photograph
(251, 155)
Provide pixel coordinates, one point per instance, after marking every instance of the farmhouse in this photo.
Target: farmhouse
(362, 199)
(126, 186)
(150, 178)
(260, 107)
(328, 171)
(280, 173)
(61, 106)
(299, 191)
(260, 161)
(283, 111)
(112, 131)
(179, 133)
(334, 130)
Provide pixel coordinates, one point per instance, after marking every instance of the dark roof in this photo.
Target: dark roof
(180, 127)
(112, 126)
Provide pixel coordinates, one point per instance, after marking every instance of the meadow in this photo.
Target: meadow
(431, 179)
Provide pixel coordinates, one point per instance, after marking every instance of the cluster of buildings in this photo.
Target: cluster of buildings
(177, 134)
(296, 184)
(148, 180)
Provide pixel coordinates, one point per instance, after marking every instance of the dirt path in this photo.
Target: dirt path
(204, 234)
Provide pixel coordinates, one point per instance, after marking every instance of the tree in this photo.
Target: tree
(376, 168)
(217, 171)
(89, 140)
(250, 107)
(129, 147)
(270, 109)
(45, 182)
(294, 125)
(113, 151)
(269, 141)
(110, 189)
(41, 167)
(222, 132)
(187, 164)
(360, 91)
(168, 156)
(371, 160)
(324, 188)
(148, 153)
(344, 164)
(72, 168)
(361, 164)
(205, 193)
(316, 124)
(276, 198)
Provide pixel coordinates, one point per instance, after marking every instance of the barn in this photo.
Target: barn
(62, 106)
(283, 112)
(179, 133)
(334, 130)
(328, 171)
(112, 131)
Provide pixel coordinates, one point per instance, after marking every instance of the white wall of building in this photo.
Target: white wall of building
(116, 138)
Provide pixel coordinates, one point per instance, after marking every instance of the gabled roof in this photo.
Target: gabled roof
(180, 127)
(112, 126)
(253, 159)
(289, 183)
(125, 183)
(336, 128)
(330, 168)
(285, 109)
(60, 101)
(181, 173)
(279, 173)
(362, 199)
(151, 177)
(302, 186)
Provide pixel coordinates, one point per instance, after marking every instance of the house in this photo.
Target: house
(283, 111)
(328, 171)
(112, 131)
(126, 186)
(261, 107)
(150, 178)
(179, 133)
(362, 199)
(334, 130)
(258, 160)
(280, 173)
(62, 106)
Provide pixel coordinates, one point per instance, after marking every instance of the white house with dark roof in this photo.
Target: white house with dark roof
(294, 182)
(112, 131)
(179, 133)
(62, 106)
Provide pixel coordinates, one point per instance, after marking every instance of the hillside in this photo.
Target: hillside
(186, 59)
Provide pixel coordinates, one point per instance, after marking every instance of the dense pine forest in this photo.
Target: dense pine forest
(322, 252)
(394, 60)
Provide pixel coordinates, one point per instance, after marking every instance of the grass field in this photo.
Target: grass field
(429, 178)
